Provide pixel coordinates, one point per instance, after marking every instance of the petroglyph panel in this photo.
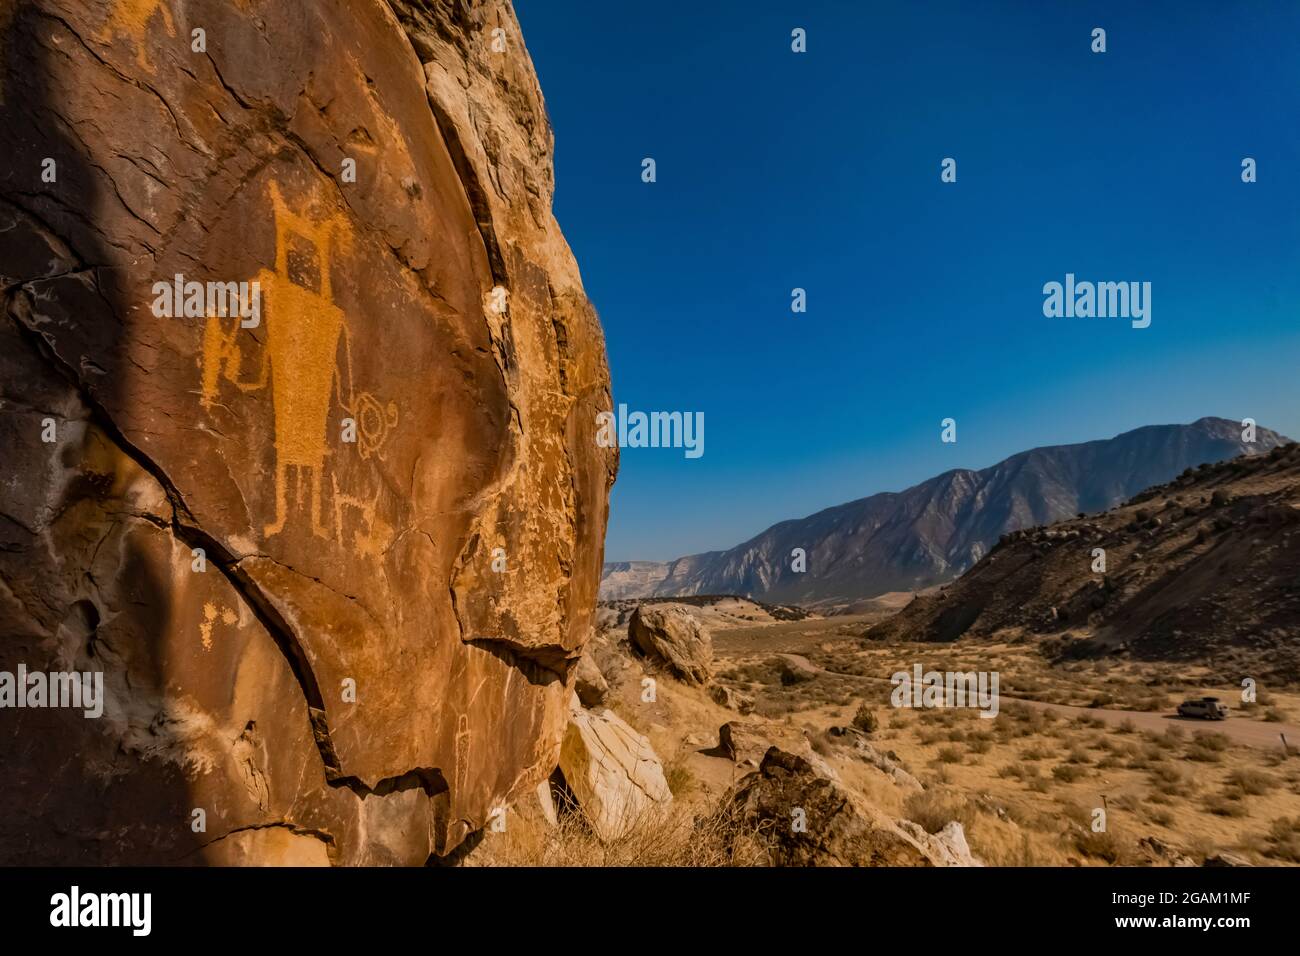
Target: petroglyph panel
(347, 463)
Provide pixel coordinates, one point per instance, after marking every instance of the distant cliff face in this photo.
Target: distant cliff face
(299, 413)
(935, 530)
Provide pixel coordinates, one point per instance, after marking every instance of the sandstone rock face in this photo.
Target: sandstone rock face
(671, 635)
(810, 820)
(335, 555)
(613, 772)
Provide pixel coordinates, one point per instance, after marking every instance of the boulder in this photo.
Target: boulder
(333, 544)
(747, 743)
(670, 635)
(611, 770)
(795, 669)
(589, 683)
(810, 820)
(730, 698)
(743, 743)
(948, 847)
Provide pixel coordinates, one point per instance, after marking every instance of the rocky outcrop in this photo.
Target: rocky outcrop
(334, 550)
(809, 820)
(611, 770)
(670, 635)
(887, 763)
(743, 743)
(948, 847)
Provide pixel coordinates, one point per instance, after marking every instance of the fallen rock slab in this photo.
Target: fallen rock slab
(612, 771)
(743, 743)
(747, 743)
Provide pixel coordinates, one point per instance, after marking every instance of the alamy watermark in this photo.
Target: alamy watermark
(63, 689)
(196, 300)
(653, 430)
(922, 688)
(1100, 300)
(133, 911)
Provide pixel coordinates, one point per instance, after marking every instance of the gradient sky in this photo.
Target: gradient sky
(821, 170)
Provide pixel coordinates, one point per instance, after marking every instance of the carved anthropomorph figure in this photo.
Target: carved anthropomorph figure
(302, 338)
(304, 328)
(132, 19)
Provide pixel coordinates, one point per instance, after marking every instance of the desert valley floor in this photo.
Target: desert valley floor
(1069, 738)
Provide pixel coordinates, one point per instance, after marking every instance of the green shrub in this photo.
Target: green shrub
(864, 720)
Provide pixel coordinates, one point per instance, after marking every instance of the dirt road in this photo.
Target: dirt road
(1249, 733)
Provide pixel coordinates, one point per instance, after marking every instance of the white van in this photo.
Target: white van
(1206, 708)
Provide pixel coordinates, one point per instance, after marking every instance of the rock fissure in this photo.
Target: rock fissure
(323, 835)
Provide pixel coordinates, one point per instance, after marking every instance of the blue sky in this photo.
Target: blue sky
(822, 171)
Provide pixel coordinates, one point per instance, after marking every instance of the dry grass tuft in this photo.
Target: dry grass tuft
(664, 836)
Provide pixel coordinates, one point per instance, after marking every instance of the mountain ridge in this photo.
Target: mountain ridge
(934, 530)
(1198, 569)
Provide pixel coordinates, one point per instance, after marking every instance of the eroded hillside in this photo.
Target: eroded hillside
(1202, 568)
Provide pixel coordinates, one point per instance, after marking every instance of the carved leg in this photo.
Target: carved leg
(320, 529)
(281, 478)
